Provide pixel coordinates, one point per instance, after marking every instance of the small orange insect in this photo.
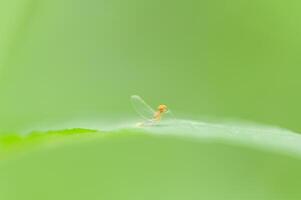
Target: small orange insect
(160, 111)
(146, 112)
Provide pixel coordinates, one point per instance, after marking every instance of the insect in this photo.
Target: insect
(150, 115)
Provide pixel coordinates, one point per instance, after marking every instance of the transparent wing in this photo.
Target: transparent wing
(142, 108)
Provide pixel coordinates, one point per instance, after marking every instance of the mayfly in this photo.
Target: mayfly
(150, 115)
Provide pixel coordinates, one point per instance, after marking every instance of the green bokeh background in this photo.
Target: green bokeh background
(63, 60)
(150, 167)
(222, 59)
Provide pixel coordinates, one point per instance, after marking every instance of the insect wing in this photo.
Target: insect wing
(142, 108)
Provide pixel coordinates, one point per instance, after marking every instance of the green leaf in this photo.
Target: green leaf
(175, 160)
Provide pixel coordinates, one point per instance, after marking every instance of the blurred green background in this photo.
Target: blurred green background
(150, 167)
(63, 60)
(226, 59)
